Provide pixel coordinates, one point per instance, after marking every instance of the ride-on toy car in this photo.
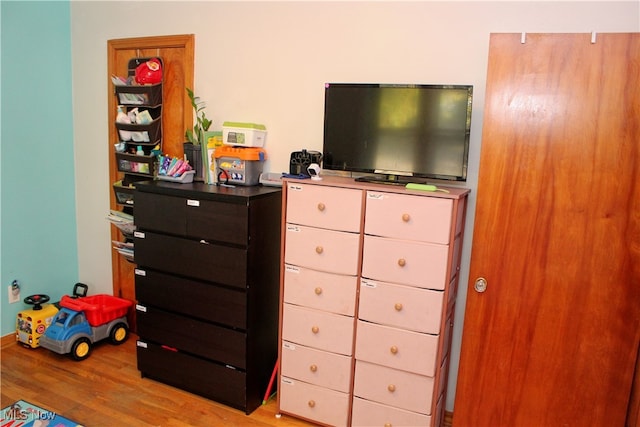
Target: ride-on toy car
(32, 323)
(84, 321)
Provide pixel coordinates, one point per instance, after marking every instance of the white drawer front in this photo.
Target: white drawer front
(317, 329)
(325, 207)
(406, 307)
(325, 250)
(392, 387)
(314, 403)
(408, 217)
(316, 289)
(367, 413)
(409, 263)
(317, 367)
(397, 348)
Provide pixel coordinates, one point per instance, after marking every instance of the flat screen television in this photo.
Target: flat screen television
(397, 133)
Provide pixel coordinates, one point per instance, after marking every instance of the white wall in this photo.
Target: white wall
(266, 62)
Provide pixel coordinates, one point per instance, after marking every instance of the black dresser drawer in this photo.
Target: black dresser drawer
(203, 300)
(200, 260)
(192, 217)
(216, 382)
(223, 345)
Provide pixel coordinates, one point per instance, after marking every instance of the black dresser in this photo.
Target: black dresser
(207, 283)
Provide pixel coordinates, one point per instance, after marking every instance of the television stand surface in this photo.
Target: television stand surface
(390, 180)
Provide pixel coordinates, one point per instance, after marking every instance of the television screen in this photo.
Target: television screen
(398, 131)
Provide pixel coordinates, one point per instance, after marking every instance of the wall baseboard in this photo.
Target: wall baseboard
(447, 420)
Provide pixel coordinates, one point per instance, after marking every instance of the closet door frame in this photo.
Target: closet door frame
(177, 53)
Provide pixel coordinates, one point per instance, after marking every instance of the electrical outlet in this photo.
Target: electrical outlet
(14, 294)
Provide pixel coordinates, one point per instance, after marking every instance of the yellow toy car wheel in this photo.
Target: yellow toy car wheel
(81, 349)
(119, 333)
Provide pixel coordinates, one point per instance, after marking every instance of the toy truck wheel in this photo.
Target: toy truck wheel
(81, 349)
(119, 334)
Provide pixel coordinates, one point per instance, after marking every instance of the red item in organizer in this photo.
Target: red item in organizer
(149, 72)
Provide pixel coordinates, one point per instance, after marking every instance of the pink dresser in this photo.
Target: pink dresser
(368, 283)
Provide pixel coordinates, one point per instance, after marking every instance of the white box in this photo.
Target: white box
(243, 134)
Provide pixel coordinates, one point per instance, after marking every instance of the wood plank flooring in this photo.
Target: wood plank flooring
(106, 390)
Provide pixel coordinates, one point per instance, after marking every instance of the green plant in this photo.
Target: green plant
(202, 124)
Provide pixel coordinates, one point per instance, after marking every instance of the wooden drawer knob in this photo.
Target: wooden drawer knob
(313, 368)
(398, 306)
(321, 207)
(391, 388)
(311, 403)
(318, 290)
(402, 262)
(315, 329)
(319, 249)
(406, 217)
(393, 349)
(388, 425)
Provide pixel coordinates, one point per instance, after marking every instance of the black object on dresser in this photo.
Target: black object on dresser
(207, 284)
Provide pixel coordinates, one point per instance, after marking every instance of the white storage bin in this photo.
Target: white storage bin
(243, 134)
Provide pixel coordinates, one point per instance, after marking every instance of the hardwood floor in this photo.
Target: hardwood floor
(106, 390)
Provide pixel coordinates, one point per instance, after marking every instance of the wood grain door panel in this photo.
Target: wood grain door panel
(554, 339)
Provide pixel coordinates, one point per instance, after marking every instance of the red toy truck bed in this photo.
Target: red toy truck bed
(99, 309)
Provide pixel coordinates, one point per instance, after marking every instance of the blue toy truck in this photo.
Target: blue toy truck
(84, 321)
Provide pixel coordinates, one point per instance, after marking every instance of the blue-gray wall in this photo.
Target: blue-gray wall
(38, 238)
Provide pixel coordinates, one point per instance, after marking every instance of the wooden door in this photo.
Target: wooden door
(177, 53)
(553, 340)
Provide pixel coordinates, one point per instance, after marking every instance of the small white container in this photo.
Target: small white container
(244, 134)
